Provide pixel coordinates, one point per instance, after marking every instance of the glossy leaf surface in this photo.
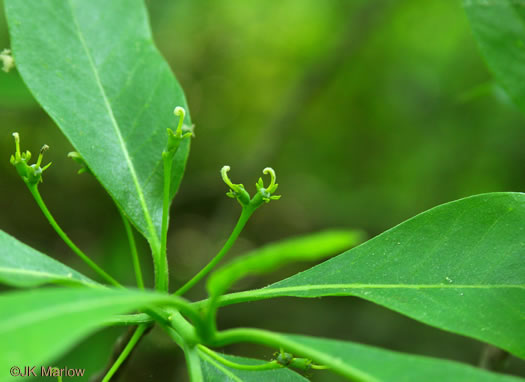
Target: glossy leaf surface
(93, 67)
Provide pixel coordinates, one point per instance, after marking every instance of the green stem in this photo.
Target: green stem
(243, 219)
(163, 277)
(172, 317)
(129, 347)
(275, 340)
(194, 363)
(34, 191)
(190, 349)
(133, 248)
(168, 317)
(129, 319)
(265, 366)
(174, 336)
(183, 328)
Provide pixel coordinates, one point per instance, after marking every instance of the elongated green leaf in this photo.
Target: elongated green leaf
(499, 28)
(375, 364)
(272, 256)
(39, 325)
(22, 266)
(459, 267)
(94, 68)
(214, 371)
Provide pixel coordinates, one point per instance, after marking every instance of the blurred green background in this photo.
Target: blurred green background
(370, 112)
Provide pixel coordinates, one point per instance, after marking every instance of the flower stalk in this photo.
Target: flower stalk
(32, 176)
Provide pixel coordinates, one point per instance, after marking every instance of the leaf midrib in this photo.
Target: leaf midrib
(116, 127)
(55, 276)
(270, 292)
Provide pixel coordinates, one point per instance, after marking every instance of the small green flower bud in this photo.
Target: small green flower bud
(303, 364)
(175, 137)
(31, 174)
(237, 191)
(264, 194)
(283, 358)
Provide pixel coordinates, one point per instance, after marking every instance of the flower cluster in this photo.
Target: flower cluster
(264, 194)
(31, 174)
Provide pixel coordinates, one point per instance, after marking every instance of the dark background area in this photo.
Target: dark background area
(370, 112)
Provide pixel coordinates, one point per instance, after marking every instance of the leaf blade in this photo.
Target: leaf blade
(92, 65)
(39, 325)
(395, 366)
(266, 259)
(446, 267)
(23, 267)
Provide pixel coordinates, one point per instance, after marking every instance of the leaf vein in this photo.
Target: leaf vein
(116, 127)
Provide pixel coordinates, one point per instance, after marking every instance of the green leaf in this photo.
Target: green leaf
(459, 267)
(272, 256)
(214, 371)
(22, 266)
(375, 364)
(499, 28)
(37, 326)
(94, 68)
